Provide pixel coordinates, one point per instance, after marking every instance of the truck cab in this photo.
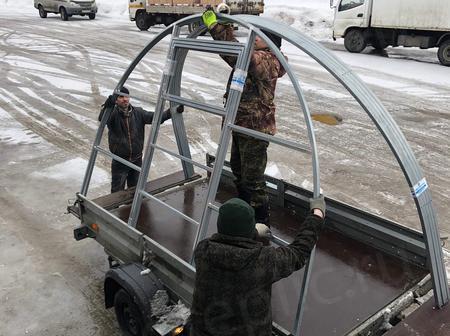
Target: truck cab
(350, 13)
(66, 8)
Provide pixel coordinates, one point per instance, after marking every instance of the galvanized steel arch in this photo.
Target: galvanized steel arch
(391, 133)
(368, 101)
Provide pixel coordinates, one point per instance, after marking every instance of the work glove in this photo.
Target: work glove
(110, 102)
(209, 18)
(317, 203)
(263, 231)
(180, 108)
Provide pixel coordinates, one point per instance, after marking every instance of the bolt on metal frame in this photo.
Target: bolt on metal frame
(170, 91)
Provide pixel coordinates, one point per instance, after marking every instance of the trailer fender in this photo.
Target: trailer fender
(141, 288)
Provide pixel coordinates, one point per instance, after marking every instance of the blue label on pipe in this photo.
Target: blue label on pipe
(419, 188)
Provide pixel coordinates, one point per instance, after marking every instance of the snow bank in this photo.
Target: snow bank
(312, 17)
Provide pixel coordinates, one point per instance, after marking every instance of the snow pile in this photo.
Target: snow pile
(113, 7)
(311, 17)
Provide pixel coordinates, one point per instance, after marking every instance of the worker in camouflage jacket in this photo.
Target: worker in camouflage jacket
(235, 272)
(126, 131)
(256, 111)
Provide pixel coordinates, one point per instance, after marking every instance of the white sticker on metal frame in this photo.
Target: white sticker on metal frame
(238, 80)
(419, 188)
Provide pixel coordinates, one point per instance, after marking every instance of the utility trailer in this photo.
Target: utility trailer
(367, 273)
(147, 13)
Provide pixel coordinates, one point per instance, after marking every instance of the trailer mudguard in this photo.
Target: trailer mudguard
(141, 288)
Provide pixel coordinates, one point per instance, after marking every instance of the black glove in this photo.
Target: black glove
(180, 108)
(110, 102)
(317, 203)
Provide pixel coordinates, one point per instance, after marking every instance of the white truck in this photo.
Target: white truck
(382, 23)
(147, 13)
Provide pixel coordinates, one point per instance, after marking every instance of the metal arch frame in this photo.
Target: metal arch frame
(391, 133)
(365, 98)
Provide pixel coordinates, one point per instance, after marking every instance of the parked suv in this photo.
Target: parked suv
(66, 8)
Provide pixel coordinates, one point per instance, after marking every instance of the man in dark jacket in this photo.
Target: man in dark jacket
(256, 111)
(126, 131)
(235, 273)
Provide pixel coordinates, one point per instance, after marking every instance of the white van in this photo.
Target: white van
(66, 8)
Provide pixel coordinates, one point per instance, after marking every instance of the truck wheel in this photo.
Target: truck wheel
(63, 13)
(42, 12)
(354, 41)
(92, 16)
(128, 314)
(444, 53)
(142, 21)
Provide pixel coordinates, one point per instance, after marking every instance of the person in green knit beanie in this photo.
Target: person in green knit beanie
(235, 272)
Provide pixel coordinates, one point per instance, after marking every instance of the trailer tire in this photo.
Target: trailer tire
(444, 53)
(128, 315)
(142, 21)
(42, 12)
(355, 41)
(63, 13)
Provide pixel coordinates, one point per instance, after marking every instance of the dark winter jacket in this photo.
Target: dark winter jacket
(126, 134)
(256, 109)
(233, 285)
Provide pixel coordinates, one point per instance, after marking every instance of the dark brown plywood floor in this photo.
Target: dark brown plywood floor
(349, 282)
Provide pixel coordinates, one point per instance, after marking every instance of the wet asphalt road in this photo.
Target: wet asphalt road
(54, 77)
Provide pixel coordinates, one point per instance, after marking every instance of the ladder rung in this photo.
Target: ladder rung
(149, 196)
(262, 136)
(212, 46)
(213, 207)
(279, 241)
(181, 157)
(117, 158)
(220, 111)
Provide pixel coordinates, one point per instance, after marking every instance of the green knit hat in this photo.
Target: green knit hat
(236, 218)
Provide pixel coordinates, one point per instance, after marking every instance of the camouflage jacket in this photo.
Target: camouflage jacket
(126, 134)
(233, 285)
(257, 109)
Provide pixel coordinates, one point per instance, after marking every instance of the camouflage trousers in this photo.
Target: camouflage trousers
(248, 162)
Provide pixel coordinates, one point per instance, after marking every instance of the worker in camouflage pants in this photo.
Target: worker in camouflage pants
(256, 111)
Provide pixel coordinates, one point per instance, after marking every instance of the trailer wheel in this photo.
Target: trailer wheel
(42, 12)
(142, 21)
(354, 41)
(63, 13)
(128, 314)
(444, 53)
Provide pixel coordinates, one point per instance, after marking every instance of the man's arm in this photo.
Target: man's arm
(262, 63)
(148, 116)
(293, 257)
(110, 102)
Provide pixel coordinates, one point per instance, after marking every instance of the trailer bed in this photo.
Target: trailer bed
(425, 321)
(350, 281)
